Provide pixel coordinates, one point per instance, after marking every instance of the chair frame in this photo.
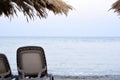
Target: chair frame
(7, 75)
(21, 72)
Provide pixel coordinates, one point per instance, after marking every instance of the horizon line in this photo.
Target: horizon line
(62, 36)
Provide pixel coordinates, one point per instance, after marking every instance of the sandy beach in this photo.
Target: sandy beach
(106, 77)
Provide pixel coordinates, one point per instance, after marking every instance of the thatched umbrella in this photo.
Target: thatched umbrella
(116, 6)
(32, 8)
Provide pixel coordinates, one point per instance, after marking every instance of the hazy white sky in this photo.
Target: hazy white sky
(89, 18)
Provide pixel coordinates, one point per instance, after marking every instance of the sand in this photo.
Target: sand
(106, 77)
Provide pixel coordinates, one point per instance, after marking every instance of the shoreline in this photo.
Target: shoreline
(91, 77)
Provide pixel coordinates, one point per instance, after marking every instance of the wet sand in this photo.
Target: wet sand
(106, 77)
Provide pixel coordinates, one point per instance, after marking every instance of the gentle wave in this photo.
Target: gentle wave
(70, 56)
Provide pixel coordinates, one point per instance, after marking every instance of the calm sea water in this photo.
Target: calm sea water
(70, 56)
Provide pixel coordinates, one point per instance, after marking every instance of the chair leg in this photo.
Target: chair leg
(51, 76)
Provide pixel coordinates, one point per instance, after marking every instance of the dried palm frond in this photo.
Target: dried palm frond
(6, 7)
(116, 6)
(32, 8)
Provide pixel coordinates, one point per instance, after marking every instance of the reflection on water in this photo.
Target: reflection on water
(70, 56)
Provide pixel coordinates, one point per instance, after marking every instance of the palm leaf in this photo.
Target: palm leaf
(32, 8)
(116, 6)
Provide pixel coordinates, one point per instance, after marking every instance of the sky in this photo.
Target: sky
(89, 18)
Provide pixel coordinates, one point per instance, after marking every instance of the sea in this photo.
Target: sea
(70, 56)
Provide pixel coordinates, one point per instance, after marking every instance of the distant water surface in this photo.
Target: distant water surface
(70, 56)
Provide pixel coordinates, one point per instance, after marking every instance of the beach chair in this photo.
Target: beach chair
(31, 64)
(5, 71)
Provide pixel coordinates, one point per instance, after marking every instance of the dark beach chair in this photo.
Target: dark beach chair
(31, 64)
(5, 71)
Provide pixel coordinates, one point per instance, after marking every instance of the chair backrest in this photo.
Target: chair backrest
(4, 66)
(31, 60)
